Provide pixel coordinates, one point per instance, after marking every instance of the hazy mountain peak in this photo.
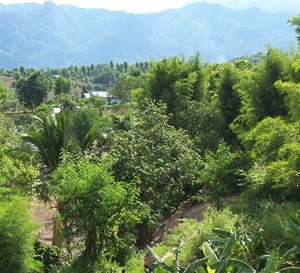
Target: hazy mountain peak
(49, 3)
(52, 35)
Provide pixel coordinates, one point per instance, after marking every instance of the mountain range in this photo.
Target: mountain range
(49, 35)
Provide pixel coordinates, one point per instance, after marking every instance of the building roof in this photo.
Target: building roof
(101, 94)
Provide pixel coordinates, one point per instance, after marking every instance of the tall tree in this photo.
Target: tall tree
(62, 85)
(203, 122)
(292, 95)
(228, 99)
(259, 94)
(32, 91)
(274, 144)
(162, 158)
(175, 81)
(122, 90)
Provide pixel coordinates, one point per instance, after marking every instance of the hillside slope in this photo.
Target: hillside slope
(52, 35)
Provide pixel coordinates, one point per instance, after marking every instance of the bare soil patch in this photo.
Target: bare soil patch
(195, 211)
(44, 213)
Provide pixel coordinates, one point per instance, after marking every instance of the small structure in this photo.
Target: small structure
(101, 94)
(56, 110)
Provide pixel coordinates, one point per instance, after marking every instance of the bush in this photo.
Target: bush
(17, 233)
(51, 256)
(89, 264)
(212, 219)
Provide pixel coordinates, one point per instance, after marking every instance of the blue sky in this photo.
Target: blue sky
(146, 6)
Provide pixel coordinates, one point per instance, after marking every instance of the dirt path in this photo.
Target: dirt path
(195, 211)
(44, 213)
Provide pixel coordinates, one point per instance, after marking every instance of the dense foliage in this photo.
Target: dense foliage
(32, 91)
(94, 207)
(179, 132)
(17, 231)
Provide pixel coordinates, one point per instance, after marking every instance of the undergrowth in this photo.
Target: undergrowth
(271, 218)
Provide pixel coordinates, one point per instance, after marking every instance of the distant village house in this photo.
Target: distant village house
(101, 94)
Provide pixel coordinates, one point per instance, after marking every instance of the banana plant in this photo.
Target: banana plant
(291, 242)
(245, 241)
(272, 264)
(228, 264)
(225, 262)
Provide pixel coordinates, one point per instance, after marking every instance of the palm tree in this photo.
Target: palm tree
(54, 135)
(49, 139)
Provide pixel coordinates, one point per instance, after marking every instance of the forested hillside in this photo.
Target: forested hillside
(50, 35)
(167, 134)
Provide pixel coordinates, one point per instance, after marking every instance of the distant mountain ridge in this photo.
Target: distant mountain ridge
(49, 35)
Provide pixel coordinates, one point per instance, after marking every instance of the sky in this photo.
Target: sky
(149, 6)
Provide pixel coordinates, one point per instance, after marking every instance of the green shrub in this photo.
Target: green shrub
(17, 233)
(51, 256)
(89, 264)
(213, 218)
(272, 218)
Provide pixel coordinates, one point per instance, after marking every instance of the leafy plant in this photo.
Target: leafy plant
(226, 251)
(160, 266)
(94, 207)
(17, 233)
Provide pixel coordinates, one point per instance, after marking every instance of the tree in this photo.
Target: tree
(259, 95)
(267, 137)
(223, 173)
(62, 85)
(283, 174)
(162, 158)
(82, 120)
(95, 206)
(122, 90)
(229, 101)
(8, 135)
(51, 136)
(174, 81)
(292, 95)
(274, 145)
(67, 102)
(32, 91)
(295, 21)
(203, 122)
(7, 99)
(17, 173)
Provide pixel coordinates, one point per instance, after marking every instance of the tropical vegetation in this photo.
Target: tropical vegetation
(181, 133)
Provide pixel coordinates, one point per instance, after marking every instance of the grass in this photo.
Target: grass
(192, 232)
(271, 217)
